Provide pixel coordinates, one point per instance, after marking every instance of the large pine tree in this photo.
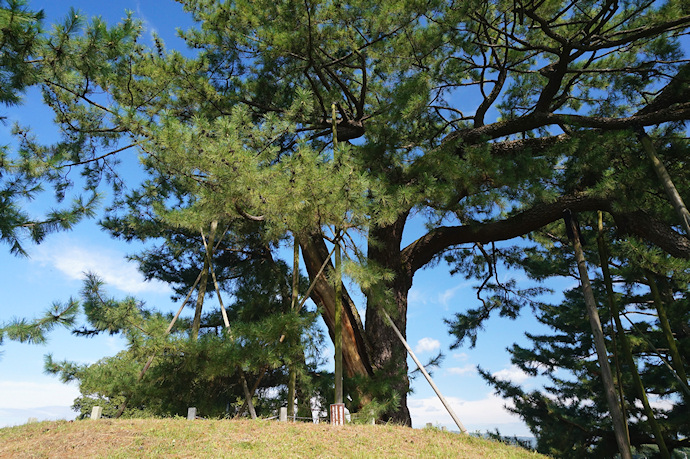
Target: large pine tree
(469, 115)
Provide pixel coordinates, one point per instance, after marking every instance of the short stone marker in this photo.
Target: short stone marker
(283, 414)
(96, 412)
(191, 413)
(337, 414)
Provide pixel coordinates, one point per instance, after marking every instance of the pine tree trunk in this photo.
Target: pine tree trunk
(377, 349)
(389, 355)
(247, 394)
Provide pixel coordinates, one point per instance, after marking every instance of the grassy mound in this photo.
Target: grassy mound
(204, 438)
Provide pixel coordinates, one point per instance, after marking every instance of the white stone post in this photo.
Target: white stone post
(191, 413)
(96, 412)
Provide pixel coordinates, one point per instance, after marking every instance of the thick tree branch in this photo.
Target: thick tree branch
(677, 90)
(424, 249)
(678, 112)
(641, 224)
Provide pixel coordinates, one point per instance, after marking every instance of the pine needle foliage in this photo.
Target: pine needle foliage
(204, 373)
(569, 416)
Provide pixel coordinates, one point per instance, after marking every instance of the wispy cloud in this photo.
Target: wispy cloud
(657, 403)
(512, 374)
(427, 345)
(422, 297)
(148, 25)
(74, 260)
(445, 298)
(461, 356)
(467, 369)
(115, 344)
(416, 297)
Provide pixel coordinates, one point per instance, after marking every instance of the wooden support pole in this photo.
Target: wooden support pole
(247, 395)
(666, 181)
(625, 345)
(292, 382)
(202, 275)
(425, 373)
(338, 328)
(338, 338)
(599, 343)
(299, 307)
(676, 358)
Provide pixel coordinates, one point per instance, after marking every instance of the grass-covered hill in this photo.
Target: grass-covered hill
(203, 438)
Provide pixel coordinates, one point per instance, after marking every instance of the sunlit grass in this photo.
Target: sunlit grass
(203, 438)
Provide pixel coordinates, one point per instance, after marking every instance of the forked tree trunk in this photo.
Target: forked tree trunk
(376, 349)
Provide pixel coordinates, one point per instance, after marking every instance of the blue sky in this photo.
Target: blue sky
(54, 272)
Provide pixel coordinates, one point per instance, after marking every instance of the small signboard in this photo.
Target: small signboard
(337, 414)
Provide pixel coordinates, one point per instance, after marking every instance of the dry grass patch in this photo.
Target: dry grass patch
(181, 438)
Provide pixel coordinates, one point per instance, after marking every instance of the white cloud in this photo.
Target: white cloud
(148, 25)
(461, 356)
(74, 260)
(26, 394)
(115, 344)
(512, 374)
(467, 369)
(427, 345)
(444, 298)
(476, 415)
(447, 295)
(657, 403)
(416, 298)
